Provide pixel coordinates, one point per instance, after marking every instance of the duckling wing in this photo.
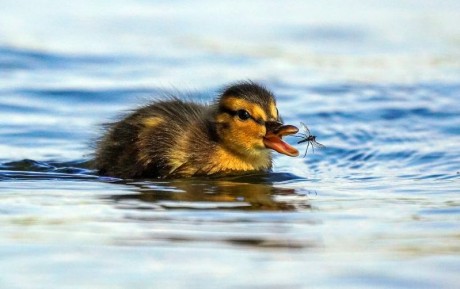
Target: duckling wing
(145, 143)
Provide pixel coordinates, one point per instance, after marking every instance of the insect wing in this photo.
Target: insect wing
(305, 128)
(317, 145)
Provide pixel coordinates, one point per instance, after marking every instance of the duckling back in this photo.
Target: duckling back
(145, 143)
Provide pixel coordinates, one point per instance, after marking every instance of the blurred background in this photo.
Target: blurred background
(376, 81)
(102, 56)
(67, 59)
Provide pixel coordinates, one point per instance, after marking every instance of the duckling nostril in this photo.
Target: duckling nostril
(273, 125)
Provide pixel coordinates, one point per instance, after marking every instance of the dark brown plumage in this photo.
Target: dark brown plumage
(176, 138)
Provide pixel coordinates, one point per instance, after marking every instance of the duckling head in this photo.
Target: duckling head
(248, 123)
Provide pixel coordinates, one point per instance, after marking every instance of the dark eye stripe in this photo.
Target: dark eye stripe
(259, 121)
(228, 110)
(235, 112)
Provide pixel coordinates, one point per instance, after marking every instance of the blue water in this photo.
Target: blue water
(378, 83)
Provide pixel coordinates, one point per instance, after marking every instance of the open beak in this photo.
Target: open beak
(274, 135)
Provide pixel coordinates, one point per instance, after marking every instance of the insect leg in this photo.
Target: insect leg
(306, 150)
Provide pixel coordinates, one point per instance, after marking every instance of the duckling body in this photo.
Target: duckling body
(176, 138)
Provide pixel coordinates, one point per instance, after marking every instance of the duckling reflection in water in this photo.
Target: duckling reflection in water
(173, 138)
(216, 194)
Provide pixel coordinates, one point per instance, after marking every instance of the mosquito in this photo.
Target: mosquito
(309, 138)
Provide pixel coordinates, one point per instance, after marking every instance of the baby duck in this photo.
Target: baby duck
(172, 138)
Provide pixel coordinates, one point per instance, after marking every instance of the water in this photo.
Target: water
(377, 83)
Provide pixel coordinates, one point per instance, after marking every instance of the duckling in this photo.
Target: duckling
(173, 138)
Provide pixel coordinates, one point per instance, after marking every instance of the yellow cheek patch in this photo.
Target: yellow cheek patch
(152, 121)
(254, 110)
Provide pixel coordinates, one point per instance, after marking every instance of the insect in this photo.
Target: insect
(309, 138)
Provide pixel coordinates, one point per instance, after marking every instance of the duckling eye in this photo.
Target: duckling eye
(243, 115)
